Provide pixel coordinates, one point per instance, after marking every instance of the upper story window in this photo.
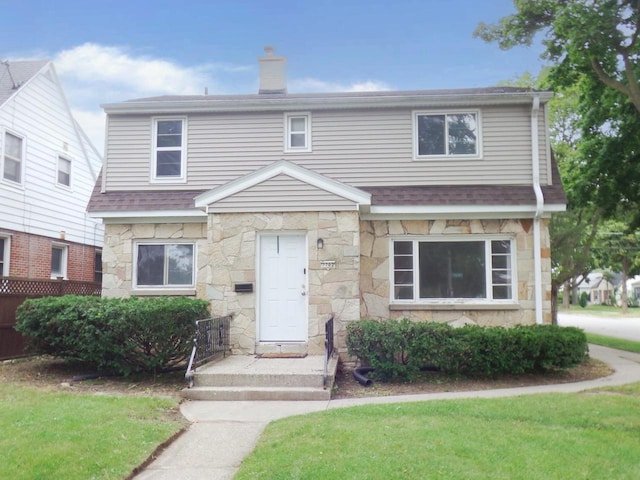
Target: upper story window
(169, 149)
(460, 269)
(4, 256)
(13, 158)
(64, 171)
(447, 134)
(165, 265)
(59, 260)
(297, 132)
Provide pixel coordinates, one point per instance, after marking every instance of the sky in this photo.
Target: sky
(112, 51)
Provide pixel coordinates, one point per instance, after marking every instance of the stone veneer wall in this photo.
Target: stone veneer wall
(375, 276)
(117, 255)
(232, 257)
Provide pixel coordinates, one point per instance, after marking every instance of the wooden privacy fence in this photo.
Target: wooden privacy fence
(14, 291)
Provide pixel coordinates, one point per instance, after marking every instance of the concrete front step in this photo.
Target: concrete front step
(246, 377)
(256, 393)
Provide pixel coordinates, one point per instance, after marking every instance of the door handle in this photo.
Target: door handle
(304, 292)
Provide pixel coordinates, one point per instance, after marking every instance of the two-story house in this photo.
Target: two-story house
(48, 168)
(283, 209)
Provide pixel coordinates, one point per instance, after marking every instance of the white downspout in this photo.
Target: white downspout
(537, 254)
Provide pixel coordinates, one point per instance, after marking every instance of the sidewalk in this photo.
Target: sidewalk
(223, 433)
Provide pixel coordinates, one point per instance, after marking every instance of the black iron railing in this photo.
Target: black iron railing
(211, 341)
(328, 348)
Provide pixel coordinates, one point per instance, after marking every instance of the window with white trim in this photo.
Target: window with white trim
(97, 266)
(165, 265)
(446, 134)
(4, 256)
(13, 158)
(64, 171)
(59, 255)
(169, 149)
(441, 269)
(297, 132)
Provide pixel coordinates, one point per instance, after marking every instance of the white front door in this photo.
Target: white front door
(282, 288)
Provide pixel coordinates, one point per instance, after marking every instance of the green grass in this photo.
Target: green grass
(559, 436)
(51, 435)
(612, 342)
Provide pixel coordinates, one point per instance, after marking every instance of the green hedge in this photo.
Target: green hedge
(399, 349)
(115, 335)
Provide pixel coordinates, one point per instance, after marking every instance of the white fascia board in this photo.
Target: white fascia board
(287, 168)
(456, 212)
(185, 216)
(320, 103)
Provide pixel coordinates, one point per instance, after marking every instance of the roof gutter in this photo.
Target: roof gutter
(537, 252)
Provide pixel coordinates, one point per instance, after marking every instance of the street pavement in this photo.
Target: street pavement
(627, 327)
(223, 433)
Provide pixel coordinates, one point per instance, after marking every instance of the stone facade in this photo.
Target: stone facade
(117, 257)
(375, 274)
(332, 285)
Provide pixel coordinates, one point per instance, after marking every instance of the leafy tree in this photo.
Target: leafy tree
(594, 48)
(618, 247)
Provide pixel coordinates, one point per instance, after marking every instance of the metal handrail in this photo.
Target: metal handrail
(328, 348)
(211, 340)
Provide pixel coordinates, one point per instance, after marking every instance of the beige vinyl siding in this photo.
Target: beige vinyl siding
(365, 147)
(282, 194)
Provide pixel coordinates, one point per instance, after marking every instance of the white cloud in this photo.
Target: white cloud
(93, 74)
(307, 85)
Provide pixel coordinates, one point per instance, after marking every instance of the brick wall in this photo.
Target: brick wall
(30, 257)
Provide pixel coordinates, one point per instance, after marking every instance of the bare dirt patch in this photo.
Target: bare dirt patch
(435, 382)
(54, 374)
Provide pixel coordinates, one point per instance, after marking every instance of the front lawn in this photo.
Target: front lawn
(54, 435)
(578, 436)
(601, 311)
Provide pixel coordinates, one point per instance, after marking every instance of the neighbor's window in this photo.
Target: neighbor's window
(165, 265)
(431, 270)
(298, 132)
(446, 134)
(97, 266)
(13, 158)
(59, 261)
(4, 256)
(169, 149)
(64, 171)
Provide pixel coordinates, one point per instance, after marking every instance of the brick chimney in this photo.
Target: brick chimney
(273, 73)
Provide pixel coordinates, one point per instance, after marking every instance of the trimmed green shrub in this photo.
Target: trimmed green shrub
(401, 348)
(114, 335)
(583, 300)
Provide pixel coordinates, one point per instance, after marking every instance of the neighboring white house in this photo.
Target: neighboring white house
(48, 168)
(283, 209)
(599, 289)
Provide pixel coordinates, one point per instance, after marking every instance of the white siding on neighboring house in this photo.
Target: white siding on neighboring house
(365, 147)
(40, 205)
(282, 194)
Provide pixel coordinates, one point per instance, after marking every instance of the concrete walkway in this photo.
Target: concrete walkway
(223, 433)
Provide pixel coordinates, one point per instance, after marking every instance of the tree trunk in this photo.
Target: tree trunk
(623, 297)
(554, 302)
(566, 297)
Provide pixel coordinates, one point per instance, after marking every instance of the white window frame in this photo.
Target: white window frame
(487, 239)
(164, 286)
(182, 178)
(66, 159)
(5, 268)
(96, 252)
(288, 117)
(22, 159)
(64, 259)
(447, 155)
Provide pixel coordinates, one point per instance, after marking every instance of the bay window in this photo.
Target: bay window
(442, 269)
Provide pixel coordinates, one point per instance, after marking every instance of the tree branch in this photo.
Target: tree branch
(609, 81)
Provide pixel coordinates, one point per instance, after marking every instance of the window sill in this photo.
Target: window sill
(157, 292)
(453, 306)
